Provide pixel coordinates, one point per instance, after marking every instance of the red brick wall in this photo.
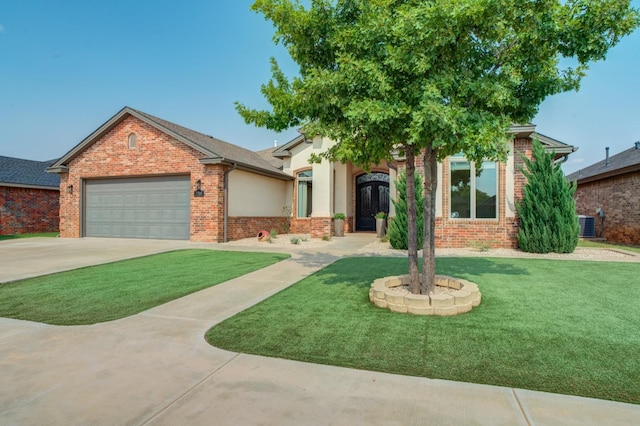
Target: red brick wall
(300, 225)
(246, 227)
(317, 227)
(156, 153)
(503, 232)
(27, 210)
(321, 227)
(619, 197)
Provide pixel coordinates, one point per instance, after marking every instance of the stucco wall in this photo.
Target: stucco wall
(256, 195)
(27, 210)
(619, 197)
(324, 195)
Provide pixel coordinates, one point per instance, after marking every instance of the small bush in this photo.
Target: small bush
(399, 226)
(481, 245)
(294, 240)
(273, 234)
(286, 224)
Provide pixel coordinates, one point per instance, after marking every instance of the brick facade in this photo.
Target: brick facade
(28, 210)
(619, 198)
(317, 227)
(496, 233)
(156, 153)
(247, 227)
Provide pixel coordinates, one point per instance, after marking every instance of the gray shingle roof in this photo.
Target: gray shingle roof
(217, 147)
(213, 150)
(624, 162)
(267, 154)
(19, 172)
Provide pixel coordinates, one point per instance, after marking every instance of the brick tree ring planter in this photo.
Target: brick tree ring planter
(454, 296)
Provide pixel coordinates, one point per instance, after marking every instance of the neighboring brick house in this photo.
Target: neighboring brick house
(612, 186)
(141, 176)
(29, 197)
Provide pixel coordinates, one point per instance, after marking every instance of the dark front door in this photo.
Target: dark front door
(372, 196)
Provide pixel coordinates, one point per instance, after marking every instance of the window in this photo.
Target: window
(474, 189)
(132, 140)
(305, 193)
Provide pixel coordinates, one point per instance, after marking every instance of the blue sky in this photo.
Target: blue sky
(67, 66)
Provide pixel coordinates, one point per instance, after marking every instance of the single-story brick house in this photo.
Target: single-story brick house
(141, 176)
(612, 186)
(29, 197)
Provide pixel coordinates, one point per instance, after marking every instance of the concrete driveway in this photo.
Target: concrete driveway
(29, 257)
(156, 368)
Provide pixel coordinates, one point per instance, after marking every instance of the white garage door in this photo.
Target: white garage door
(155, 207)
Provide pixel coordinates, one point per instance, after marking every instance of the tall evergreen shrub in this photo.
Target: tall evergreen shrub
(399, 228)
(548, 220)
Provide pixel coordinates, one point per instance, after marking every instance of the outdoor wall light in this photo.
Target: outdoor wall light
(198, 189)
(70, 189)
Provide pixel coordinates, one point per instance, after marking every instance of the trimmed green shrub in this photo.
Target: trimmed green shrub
(548, 219)
(398, 227)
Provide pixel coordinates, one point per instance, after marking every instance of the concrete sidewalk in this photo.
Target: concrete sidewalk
(156, 368)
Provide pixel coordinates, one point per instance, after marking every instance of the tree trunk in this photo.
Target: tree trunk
(429, 218)
(412, 231)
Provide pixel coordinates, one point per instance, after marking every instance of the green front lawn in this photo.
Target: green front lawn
(41, 234)
(116, 290)
(559, 326)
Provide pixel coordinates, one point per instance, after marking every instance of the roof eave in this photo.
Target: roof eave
(285, 149)
(283, 154)
(244, 167)
(29, 186)
(522, 130)
(608, 174)
(57, 169)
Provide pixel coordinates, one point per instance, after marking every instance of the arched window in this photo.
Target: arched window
(132, 140)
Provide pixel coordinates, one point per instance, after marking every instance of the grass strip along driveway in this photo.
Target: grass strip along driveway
(567, 327)
(18, 236)
(116, 290)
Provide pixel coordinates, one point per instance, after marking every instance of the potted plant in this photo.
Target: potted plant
(381, 224)
(338, 224)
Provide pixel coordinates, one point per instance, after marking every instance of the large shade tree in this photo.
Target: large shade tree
(428, 78)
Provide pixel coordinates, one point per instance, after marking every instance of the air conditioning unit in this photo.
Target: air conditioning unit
(587, 226)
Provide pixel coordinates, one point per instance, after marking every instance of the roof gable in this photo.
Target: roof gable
(214, 151)
(27, 173)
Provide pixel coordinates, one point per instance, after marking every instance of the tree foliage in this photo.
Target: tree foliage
(399, 227)
(436, 77)
(548, 219)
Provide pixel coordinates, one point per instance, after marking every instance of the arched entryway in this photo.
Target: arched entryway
(372, 196)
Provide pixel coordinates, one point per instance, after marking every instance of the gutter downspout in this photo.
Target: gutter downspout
(226, 198)
(561, 160)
